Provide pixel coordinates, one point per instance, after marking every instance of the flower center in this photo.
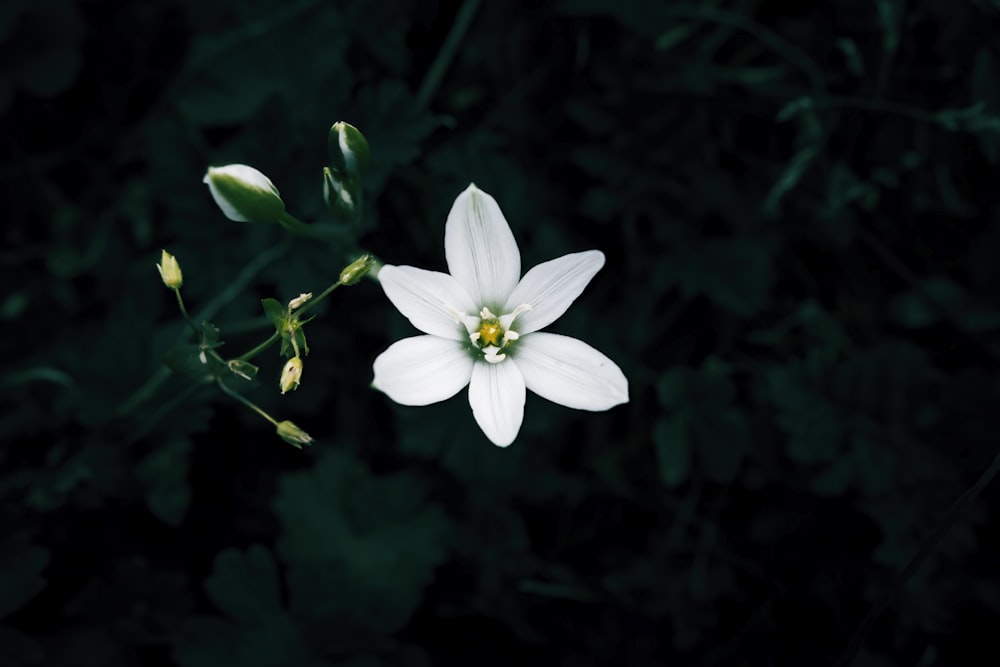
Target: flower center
(491, 334)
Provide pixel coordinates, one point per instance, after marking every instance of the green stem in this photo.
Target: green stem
(148, 389)
(250, 354)
(322, 295)
(321, 232)
(448, 49)
(245, 401)
(293, 224)
(151, 420)
(184, 312)
(276, 336)
(877, 609)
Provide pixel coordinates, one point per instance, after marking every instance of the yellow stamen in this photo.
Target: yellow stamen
(490, 332)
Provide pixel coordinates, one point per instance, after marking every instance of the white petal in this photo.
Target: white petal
(496, 395)
(551, 287)
(429, 299)
(422, 370)
(480, 248)
(567, 371)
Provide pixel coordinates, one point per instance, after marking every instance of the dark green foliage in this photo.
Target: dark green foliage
(799, 210)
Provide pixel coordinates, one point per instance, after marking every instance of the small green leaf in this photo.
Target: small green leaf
(672, 387)
(21, 565)
(191, 362)
(245, 585)
(164, 473)
(275, 312)
(673, 450)
(722, 440)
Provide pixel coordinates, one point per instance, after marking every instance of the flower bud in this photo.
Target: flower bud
(342, 196)
(348, 151)
(298, 301)
(293, 435)
(170, 270)
(244, 194)
(356, 270)
(291, 374)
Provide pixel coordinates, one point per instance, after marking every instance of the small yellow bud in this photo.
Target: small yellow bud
(244, 194)
(293, 435)
(291, 375)
(170, 270)
(356, 270)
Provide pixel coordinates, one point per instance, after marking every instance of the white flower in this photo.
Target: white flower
(482, 325)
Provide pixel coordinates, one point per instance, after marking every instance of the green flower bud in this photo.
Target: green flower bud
(348, 151)
(291, 374)
(170, 270)
(356, 270)
(342, 196)
(244, 194)
(293, 435)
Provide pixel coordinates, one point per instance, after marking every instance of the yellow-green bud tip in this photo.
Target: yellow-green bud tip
(170, 270)
(244, 194)
(356, 270)
(293, 435)
(291, 374)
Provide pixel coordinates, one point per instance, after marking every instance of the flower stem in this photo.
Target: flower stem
(293, 224)
(149, 388)
(250, 354)
(246, 401)
(444, 57)
(322, 295)
(184, 312)
(877, 609)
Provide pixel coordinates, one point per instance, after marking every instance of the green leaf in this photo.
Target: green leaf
(360, 548)
(672, 387)
(736, 273)
(191, 362)
(812, 422)
(722, 439)
(275, 312)
(21, 565)
(164, 473)
(257, 632)
(240, 60)
(673, 450)
(244, 585)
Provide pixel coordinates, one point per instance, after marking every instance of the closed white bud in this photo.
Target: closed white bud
(244, 194)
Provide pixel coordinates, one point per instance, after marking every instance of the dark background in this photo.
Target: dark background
(798, 204)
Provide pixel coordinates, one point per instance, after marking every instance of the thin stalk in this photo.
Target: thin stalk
(247, 356)
(184, 312)
(444, 57)
(246, 401)
(878, 608)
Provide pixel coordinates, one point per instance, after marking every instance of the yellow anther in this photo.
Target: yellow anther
(490, 333)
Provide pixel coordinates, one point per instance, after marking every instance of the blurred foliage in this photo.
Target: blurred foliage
(798, 207)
